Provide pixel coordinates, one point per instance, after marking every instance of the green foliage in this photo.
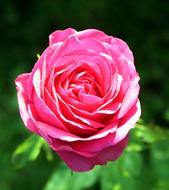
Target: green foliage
(150, 134)
(160, 160)
(63, 179)
(123, 174)
(27, 151)
(131, 170)
(48, 151)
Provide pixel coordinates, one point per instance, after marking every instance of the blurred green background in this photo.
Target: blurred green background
(24, 28)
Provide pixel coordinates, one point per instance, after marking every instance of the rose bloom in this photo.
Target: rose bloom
(82, 97)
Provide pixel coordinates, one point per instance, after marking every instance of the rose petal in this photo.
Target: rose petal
(111, 153)
(21, 84)
(60, 35)
(79, 163)
(130, 96)
(73, 126)
(128, 122)
(111, 138)
(94, 34)
(43, 111)
(76, 162)
(67, 112)
(94, 44)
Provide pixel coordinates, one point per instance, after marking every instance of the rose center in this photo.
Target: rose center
(81, 82)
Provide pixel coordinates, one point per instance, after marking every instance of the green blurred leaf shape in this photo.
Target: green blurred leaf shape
(48, 151)
(150, 134)
(160, 163)
(27, 151)
(38, 55)
(62, 179)
(123, 173)
(144, 135)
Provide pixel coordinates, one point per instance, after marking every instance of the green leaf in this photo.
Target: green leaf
(38, 55)
(27, 151)
(149, 133)
(48, 151)
(160, 158)
(122, 174)
(63, 180)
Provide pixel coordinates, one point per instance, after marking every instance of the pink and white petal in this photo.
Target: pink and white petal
(94, 116)
(121, 129)
(81, 163)
(105, 75)
(69, 114)
(75, 103)
(21, 85)
(130, 96)
(94, 45)
(112, 137)
(70, 44)
(60, 35)
(128, 122)
(90, 99)
(73, 126)
(111, 153)
(45, 113)
(41, 65)
(123, 48)
(59, 145)
(55, 132)
(93, 33)
(100, 114)
(94, 145)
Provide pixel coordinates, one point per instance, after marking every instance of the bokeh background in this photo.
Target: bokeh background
(24, 30)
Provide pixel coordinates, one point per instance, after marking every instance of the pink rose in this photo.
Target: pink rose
(82, 97)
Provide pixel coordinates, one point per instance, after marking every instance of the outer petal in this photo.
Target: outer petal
(130, 97)
(22, 86)
(76, 162)
(122, 48)
(60, 35)
(101, 150)
(113, 137)
(79, 163)
(95, 34)
(111, 153)
(42, 65)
